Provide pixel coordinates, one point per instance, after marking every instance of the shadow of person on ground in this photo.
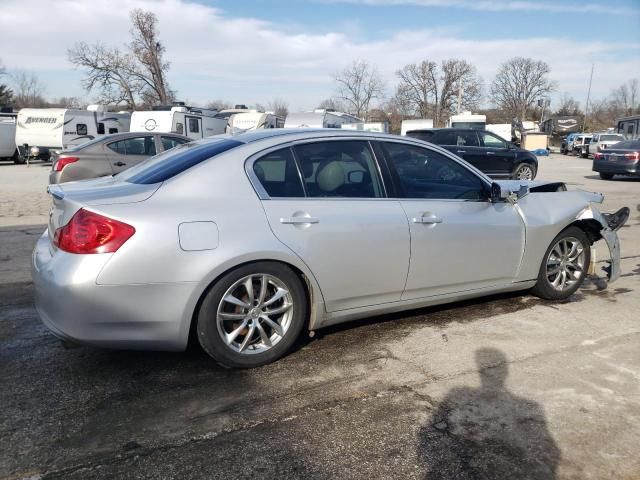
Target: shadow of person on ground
(488, 432)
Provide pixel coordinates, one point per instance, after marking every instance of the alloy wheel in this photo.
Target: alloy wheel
(565, 264)
(525, 172)
(255, 313)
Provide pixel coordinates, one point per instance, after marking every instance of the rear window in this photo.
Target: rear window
(169, 164)
(425, 135)
(610, 137)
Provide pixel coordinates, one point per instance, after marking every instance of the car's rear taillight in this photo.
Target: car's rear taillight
(89, 232)
(598, 156)
(632, 156)
(64, 161)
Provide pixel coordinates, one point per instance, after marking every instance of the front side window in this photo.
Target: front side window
(424, 173)
(278, 174)
(492, 141)
(81, 128)
(339, 169)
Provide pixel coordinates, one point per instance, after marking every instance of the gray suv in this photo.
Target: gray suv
(109, 154)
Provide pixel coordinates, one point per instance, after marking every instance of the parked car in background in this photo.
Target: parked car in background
(109, 154)
(623, 158)
(581, 145)
(600, 141)
(486, 151)
(342, 225)
(567, 143)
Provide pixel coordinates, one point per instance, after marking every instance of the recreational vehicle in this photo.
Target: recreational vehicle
(8, 136)
(415, 124)
(253, 120)
(319, 118)
(468, 120)
(378, 127)
(39, 130)
(629, 127)
(192, 122)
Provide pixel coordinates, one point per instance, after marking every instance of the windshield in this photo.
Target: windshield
(474, 125)
(172, 162)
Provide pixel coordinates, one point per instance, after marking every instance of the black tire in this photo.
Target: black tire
(544, 288)
(564, 151)
(518, 171)
(606, 176)
(207, 327)
(17, 159)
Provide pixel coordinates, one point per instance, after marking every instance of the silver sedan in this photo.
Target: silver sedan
(245, 242)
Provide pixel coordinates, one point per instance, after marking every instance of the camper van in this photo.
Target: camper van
(44, 129)
(253, 120)
(468, 120)
(415, 124)
(192, 122)
(8, 136)
(319, 118)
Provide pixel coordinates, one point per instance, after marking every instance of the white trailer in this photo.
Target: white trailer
(378, 127)
(501, 129)
(319, 118)
(193, 122)
(415, 124)
(43, 129)
(253, 120)
(468, 120)
(8, 136)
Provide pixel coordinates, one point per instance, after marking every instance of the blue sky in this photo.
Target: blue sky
(252, 51)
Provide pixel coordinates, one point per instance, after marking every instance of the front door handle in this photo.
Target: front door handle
(119, 164)
(491, 153)
(461, 151)
(298, 220)
(428, 219)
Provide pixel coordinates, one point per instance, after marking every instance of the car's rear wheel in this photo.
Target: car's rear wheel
(606, 176)
(524, 171)
(253, 315)
(564, 266)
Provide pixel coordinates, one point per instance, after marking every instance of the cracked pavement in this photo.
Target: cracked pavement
(502, 387)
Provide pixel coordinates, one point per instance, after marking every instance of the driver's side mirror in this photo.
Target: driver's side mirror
(499, 195)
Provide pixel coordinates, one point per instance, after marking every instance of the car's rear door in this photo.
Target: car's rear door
(465, 144)
(459, 240)
(328, 205)
(130, 151)
(500, 157)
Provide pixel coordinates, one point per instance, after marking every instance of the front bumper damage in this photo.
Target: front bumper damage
(610, 223)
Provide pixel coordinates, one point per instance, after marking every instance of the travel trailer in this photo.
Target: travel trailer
(415, 124)
(39, 130)
(468, 120)
(253, 120)
(8, 136)
(319, 118)
(192, 122)
(629, 127)
(378, 127)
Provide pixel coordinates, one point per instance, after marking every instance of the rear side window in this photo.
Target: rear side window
(169, 164)
(135, 146)
(278, 174)
(170, 142)
(427, 136)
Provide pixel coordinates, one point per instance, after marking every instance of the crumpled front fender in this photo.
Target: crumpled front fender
(609, 235)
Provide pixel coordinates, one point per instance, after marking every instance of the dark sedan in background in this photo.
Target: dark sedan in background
(623, 158)
(109, 154)
(486, 151)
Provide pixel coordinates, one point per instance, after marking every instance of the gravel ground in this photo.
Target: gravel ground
(504, 387)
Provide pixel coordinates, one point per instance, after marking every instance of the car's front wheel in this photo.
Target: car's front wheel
(606, 176)
(253, 315)
(564, 266)
(524, 171)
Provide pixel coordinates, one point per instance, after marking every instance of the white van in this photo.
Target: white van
(319, 118)
(44, 129)
(253, 120)
(8, 136)
(415, 124)
(468, 120)
(192, 122)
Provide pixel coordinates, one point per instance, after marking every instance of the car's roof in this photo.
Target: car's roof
(283, 134)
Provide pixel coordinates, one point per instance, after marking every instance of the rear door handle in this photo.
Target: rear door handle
(119, 164)
(298, 220)
(427, 219)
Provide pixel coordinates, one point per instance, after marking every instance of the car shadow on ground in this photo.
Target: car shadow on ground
(617, 178)
(488, 432)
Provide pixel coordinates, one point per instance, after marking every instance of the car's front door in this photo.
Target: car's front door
(459, 240)
(329, 207)
(500, 156)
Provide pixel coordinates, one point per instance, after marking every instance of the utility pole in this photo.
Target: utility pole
(586, 106)
(460, 94)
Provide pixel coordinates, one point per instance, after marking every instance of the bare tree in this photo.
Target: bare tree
(359, 84)
(219, 104)
(28, 90)
(135, 76)
(626, 98)
(417, 86)
(66, 102)
(6, 94)
(278, 106)
(568, 106)
(519, 83)
(332, 104)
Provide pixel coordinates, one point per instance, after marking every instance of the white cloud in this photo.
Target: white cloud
(248, 60)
